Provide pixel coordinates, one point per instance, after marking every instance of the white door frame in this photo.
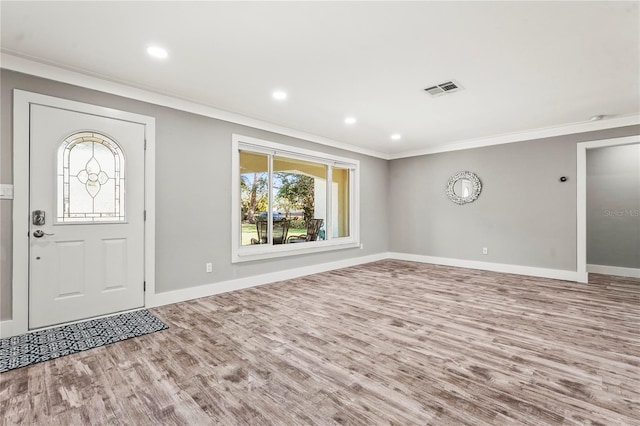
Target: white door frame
(581, 180)
(21, 106)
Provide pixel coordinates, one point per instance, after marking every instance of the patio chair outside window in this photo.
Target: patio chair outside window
(280, 230)
(313, 228)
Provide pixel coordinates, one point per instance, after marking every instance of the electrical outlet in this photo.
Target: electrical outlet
(361, 246)
(485, 250)
(209, 267)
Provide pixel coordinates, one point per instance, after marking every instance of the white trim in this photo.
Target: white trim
(6, 329)
(78, 78)
(268, 147)
(267, 251)
(532, 271)
(176, 296)
(528, 135)
(20, 283)
(150, 210)
(581, 183)
(618, 271)
(328, 205)
(581, 210)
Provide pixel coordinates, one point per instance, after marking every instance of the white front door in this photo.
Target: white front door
(86, 232)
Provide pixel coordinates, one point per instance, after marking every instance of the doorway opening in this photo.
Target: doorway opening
(582, 149)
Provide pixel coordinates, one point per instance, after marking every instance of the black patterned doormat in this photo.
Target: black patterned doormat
(32, 348)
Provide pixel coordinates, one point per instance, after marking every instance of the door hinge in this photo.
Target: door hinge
(145, 215)
(145, 144)
(144, 286)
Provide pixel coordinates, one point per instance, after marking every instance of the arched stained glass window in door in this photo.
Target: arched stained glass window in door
(90, 179)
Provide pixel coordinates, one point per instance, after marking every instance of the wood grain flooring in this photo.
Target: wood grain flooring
(389, 342)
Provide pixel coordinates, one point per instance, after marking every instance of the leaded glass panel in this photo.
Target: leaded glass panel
(91, 178)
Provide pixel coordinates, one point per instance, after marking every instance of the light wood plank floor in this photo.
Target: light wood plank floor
(389, 342)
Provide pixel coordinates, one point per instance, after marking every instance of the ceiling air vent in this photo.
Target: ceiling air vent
(443, 88)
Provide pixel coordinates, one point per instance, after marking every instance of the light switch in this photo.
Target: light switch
(6, 192)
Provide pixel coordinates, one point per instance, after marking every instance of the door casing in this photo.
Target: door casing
(581, 183)
(21, 209)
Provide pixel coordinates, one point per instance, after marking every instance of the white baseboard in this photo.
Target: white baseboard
(6, 329)
(558, 274)
(618, 271)
(190, 293)
(160, 299)
(175, 296)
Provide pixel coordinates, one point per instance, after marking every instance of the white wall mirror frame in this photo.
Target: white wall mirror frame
(463, 187)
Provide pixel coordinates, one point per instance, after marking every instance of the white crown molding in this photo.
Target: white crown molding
(610, 123)
(618, 271)
(76, 78)
(531, 271)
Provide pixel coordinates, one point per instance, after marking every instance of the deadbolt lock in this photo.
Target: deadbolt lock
(38, 217)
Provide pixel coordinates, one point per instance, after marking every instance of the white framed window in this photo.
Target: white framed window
(288, 200)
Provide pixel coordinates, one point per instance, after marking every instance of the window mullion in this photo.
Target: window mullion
(352, 202)
(329, 203)
(270, 207)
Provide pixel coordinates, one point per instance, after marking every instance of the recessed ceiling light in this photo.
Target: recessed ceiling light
(596, 118)
(157, 52)
(396, 136)
(279, 95)
(350, 120)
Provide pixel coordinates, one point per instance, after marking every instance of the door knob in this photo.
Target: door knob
(39, 233)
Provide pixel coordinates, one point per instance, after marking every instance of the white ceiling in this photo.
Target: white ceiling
(523, 65)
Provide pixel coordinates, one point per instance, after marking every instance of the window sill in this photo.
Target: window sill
(264, 251)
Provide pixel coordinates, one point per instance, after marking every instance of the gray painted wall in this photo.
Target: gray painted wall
(193, 176)
(524, 215)
(613, 206)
